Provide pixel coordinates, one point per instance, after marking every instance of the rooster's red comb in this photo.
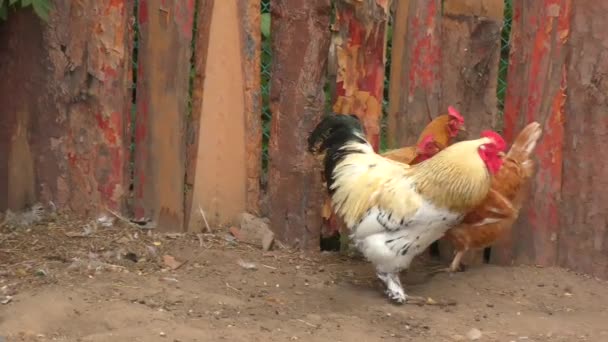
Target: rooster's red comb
(500, 143)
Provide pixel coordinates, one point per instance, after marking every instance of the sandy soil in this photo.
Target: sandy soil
(121, 284)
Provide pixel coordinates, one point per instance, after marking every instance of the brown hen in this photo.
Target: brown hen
(493, 219)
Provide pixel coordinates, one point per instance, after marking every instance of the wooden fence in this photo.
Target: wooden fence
(153, 107)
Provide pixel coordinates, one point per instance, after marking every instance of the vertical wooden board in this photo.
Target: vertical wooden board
(78, 71)
(22, 75)
(583, 236)
(397, 75)
(415, 87)
(162, 106)
(537, 92)
(251, 38)
(220, 184)
(470, 47)
(201, 45)
(360, 53)
(300, 38)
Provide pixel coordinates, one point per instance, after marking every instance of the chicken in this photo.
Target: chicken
(494, 217)
(436, 136)
(427, 148)
(424, 149)
(443, 129)
(394, 211)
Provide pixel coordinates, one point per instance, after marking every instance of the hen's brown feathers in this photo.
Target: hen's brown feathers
(494, 217)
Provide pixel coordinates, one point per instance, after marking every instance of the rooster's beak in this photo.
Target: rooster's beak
(501, 155)
(462, 128)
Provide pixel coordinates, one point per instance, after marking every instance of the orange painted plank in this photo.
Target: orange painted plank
(201, 41)
(220, 180)
(162, 106)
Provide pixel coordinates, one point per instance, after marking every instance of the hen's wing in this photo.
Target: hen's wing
(403, 155)
(494, 208)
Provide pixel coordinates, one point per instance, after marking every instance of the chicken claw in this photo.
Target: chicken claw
(394, 289)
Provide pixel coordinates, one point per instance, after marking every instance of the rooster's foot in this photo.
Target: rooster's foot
(394, 290)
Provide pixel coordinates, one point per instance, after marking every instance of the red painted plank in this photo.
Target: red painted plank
(536, 92)
(162, 106)
(76, 130)
(415, 70)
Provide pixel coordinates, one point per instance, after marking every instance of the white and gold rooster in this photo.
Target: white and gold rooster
(395, 211)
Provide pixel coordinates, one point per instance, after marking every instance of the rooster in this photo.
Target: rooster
(425, 149)
(394, 211)
(494, 217)
(436, 136)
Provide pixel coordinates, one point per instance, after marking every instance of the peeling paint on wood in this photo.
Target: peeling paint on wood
(415, 86)
(537, 83)
(77, 69)
(250, 37)
(360, 50)
(162, 107)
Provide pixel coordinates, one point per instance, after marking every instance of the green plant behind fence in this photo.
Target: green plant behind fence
(266, 60)
(42, 8)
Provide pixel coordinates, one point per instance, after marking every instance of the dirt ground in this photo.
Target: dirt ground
(62, 282)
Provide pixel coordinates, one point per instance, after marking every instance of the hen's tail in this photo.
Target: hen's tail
(337, 136)
(524, 145)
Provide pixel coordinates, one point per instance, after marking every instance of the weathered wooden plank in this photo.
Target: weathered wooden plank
(201, 46)
(583, 235)
(21, 38)
(415, 87)
(72, 137)
(220, 186)
(162, 107)
(251, 37)
(300, 43)
(536, 91)
(470, 48)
